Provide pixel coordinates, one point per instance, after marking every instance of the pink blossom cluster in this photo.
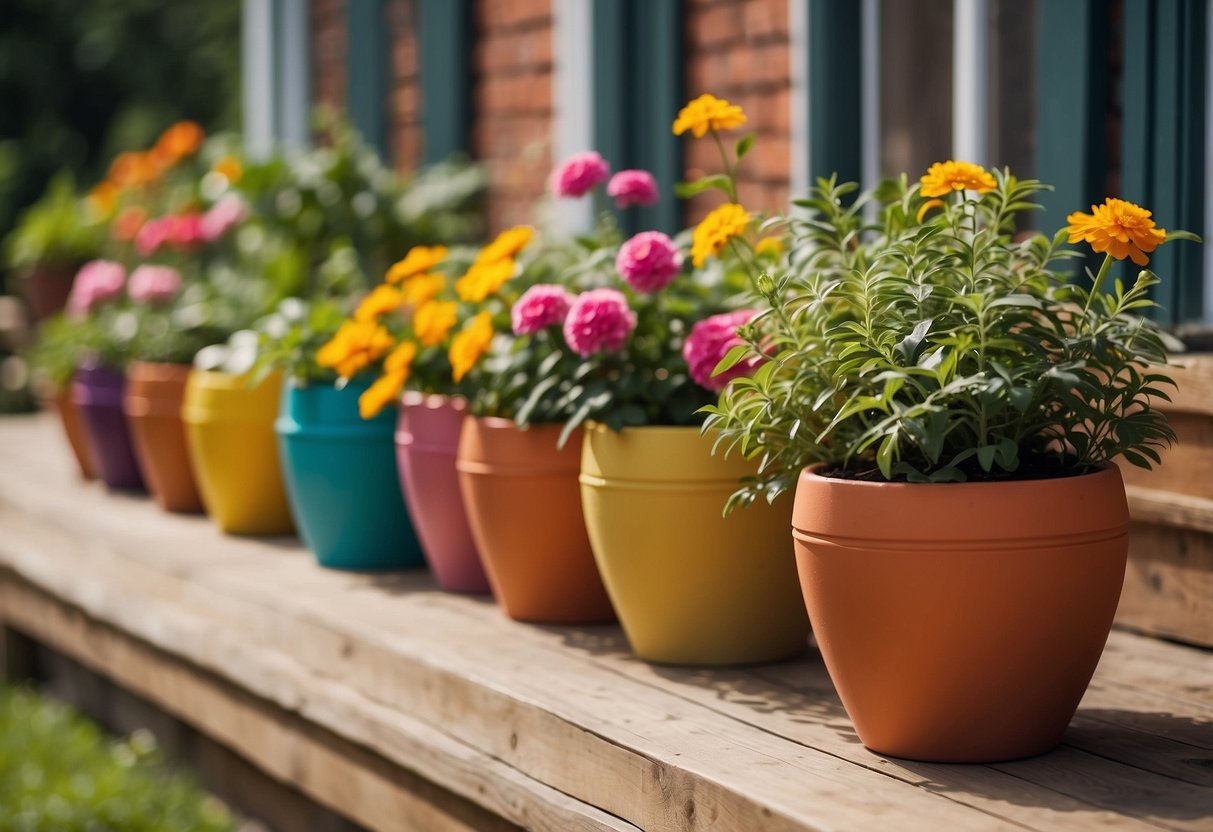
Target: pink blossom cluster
(223, 216)
(579, 174)
(598, 321)
(648, 261)
(632, 187)
(153, 284)
(539, 307)
(96, 282)
(710, 341)
(181, 231)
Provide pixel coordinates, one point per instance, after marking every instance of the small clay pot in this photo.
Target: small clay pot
(524, 505)
(961, 622)
(73, 428)
(97, 393)
(427, 442)
(154, 394)
(691, 585)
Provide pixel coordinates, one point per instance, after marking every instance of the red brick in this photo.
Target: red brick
(766, 18)
(715, 25)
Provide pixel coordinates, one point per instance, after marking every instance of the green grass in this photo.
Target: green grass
(60, 772)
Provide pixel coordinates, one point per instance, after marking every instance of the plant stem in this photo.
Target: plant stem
(728, 168)
(1099, 278)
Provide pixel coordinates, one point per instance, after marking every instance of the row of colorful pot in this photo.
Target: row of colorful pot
(959, 622)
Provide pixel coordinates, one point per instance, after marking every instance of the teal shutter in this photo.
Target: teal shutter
(444, 38)
(367, 71)
(834, 73)
(637, 85)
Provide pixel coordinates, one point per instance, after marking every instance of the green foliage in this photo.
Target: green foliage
(941, 351)
(60, 773)
(53, 231)
(289, 338)
(60, 346)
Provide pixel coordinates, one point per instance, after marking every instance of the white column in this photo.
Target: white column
(294, 75)
(573, 94)
(257, 80)
(869, 87)
(970, 72)
(798, 97)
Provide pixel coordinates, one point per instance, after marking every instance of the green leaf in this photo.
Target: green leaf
(731, 358)
(686, 190)
(743, 146)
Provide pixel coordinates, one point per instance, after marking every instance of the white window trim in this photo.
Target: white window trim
(970, 81)
(573, 94)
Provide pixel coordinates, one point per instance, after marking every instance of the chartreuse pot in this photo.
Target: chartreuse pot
(229, 426)
(961, 622)
(691, 585)
(340, 473)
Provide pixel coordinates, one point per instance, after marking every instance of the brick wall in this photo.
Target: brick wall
(512, 104)
(328, 52)
(738, 49)
(404, 91)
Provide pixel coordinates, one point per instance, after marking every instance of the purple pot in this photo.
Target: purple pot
(427, 437)
(98, 393)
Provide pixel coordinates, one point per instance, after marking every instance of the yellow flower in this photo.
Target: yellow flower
(470, 344)
(400, 358)
(381, 300)
(507, 244)
(927, 206)
(769, 247)
(433, 321)
(103, 199)
(1120, 228)
(355, 345)
(423, 288)
(715, 231)
(383, 392)
(419, 260)
(707, 112)
(942, 178)
(229, 168)
(483, 279)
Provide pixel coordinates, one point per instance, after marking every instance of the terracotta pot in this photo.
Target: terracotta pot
(341, 479)
(46, 289)
(73, 428)
(427, 441)
(229, 428)
(97, 392)
(154, 394)
(524, 505)
(961, 622)
(691, 586)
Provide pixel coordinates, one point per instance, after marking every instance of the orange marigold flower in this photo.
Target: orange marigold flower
(400, 358)
(715, 231)
(103, 199)
(419, 260)
(484, 279)
(507, 244)
(127, 223)
(131, 170)
(942, 178)
(927, 206)
(383, 392)
(355, 345)
(381, 300)
(229, 168)
(180, 140)
(470, 344)
(422, 288)
(707, 112)
(1118, 227)
(433, 321)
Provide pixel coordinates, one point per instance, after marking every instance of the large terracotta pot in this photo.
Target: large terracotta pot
(524, 505)
(691, 586)
(73, 428)
(229, 427)
(46, 288)
(961, 622)
(154, 394)
(427, 441)
(97, 393)
(341, 479)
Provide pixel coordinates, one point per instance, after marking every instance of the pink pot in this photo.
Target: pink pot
(427, 438)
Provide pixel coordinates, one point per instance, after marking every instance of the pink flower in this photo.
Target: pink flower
(598, 320)
(222, 217)
(579, 174)
(648, 261)
(539, 307)
(710, 341)
(185, 230)
(153, 284)
(633, 187)
(96, 282)
(152, 235)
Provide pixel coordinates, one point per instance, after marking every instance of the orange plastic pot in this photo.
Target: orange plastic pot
(73, 428)
(229, 427)
(961, 622)
(154, 395)
(524, 506)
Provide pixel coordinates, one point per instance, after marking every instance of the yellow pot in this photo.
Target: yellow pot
(690, 586)
(230, 430)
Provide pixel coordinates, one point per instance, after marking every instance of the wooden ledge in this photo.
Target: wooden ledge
(546, 728)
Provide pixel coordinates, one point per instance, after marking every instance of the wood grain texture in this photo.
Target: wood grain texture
(549, 728)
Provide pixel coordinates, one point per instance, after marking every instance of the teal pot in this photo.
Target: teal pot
(341, 481)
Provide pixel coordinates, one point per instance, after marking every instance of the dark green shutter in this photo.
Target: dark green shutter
(835, 98)
(444, 38)
(367, 71)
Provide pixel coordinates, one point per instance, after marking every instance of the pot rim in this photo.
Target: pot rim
(809, 473)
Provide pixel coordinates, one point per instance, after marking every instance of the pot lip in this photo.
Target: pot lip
(433, 401)
(500, 423)
(810, 474)
(599, 427)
